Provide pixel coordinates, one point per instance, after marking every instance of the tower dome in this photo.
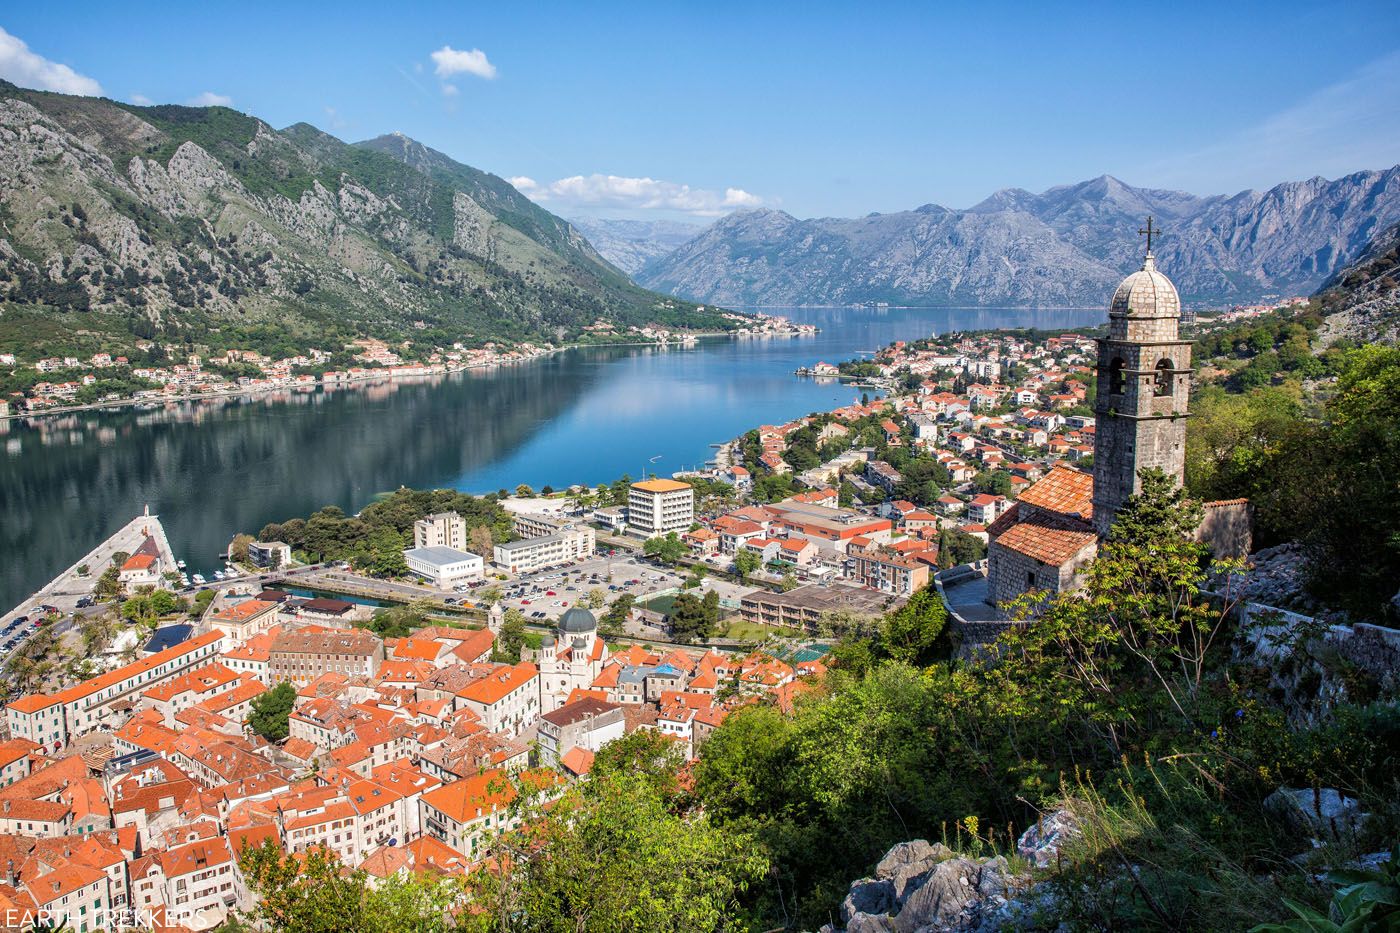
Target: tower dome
(577, 621)
(1146, 293)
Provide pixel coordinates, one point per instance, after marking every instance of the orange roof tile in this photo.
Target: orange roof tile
(1063, 490)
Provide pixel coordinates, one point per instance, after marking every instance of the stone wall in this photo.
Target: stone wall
(1228, 527)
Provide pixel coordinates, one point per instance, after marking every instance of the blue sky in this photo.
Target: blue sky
(821, 109)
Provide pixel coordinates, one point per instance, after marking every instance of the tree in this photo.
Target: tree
(614, 622)
(480, 541)
(788, 582)
(619, 853)
(511, 638)
(523, 491)
(668, 549)
(688, 619)
(490, 595)
(710, 604)
(271, 711)
(238, 549)
(314, 893)
(595, 599)
(745, 563)
(846, 494)
(911, 631)
(108, 585)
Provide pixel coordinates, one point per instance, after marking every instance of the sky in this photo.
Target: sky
(689, 111)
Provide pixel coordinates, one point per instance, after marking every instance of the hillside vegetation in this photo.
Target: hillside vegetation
(203, 225)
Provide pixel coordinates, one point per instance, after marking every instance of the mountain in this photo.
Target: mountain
(631, 244)
(208, 226)
(1362, 301)
(1069, 245)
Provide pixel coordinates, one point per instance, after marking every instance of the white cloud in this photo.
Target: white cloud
(450, 61)
(450, 90)
(210, 99)
(636, 193)
(23, 67)
(1347, 126)
(141, 100)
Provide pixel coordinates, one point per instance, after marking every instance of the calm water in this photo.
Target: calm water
(213, 468)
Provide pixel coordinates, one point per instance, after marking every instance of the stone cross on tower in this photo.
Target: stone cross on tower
(1143, 384)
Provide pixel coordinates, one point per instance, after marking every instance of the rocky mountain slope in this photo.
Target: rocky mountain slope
(631, 244)
(207, 226)
(1069, 245)
(1362, 301)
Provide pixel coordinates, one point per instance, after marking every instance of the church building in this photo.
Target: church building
(1048, 537)
(570, 660)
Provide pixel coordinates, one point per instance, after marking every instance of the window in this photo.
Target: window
(1163, 379)
(1115, 376)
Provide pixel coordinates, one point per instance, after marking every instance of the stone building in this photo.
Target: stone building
(1049, 536)
(302, 656)
(1144, 381)
(570, 661)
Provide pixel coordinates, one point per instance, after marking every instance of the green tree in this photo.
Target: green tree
(613, 623)
(745, 563)
(710, 604)
(271, 710)
(619, 854)
(595, 599)
(668, 549)
(108, 585)
(846, 494)
(688, 619)
(238, 549)
(511, 638)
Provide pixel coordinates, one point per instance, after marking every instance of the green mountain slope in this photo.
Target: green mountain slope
(205, 226)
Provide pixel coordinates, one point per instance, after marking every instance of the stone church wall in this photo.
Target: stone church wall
(1228, 527)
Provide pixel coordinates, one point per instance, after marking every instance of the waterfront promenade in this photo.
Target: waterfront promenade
(64, 590)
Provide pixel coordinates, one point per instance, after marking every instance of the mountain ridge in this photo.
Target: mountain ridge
(1066, 246)
(207, 227)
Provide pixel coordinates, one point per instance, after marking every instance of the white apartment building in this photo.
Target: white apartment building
(658, 506)
(530, 554)
(445, 567)
(52, 719)
(441, 529)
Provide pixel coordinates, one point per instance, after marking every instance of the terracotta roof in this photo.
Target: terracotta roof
(471, 797)
(577, 761)
(1063, 490)
(1048, 540)
(500, 683)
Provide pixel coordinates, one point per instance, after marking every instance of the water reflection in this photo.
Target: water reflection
(216, 466)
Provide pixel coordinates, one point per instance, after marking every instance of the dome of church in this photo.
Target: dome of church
(577, 621)
(1146, 293)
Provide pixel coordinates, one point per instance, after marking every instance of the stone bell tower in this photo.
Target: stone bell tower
(1143, 383)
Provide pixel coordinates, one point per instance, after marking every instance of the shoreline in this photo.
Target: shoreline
(372, 378)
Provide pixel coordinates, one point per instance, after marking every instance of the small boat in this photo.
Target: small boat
(198, 579)
(180, 564)
(218, 574)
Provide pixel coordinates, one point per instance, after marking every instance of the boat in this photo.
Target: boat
(218, 574)
(198, 579)
(180, 564)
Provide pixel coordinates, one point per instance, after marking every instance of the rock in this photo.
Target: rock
(1321, 814)
(953, 895)
(907, 862)
(868, 896)
(1041, 844)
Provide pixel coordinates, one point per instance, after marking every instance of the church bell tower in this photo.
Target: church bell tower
(1143, 381)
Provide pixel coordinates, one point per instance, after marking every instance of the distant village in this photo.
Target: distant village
(107, 378)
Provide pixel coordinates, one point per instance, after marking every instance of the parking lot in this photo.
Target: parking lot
(544, 596)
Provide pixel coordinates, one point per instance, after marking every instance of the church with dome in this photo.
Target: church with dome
(570, 659)
(1046, 540)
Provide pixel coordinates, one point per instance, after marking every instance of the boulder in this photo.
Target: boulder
(907, 862)
(953, 894)
(1041, 844)
(1325, 813)
(869, 896)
